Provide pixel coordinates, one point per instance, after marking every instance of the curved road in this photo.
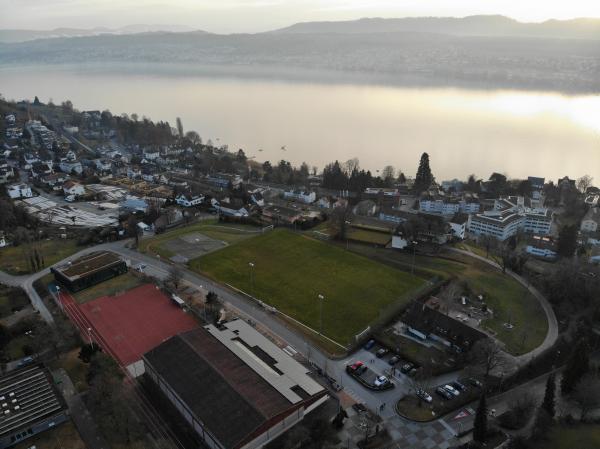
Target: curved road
(551, 335)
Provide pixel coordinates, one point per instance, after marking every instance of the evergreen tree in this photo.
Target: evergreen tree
(548, 403)
(577, 365)
(567, 241)
(424, 178)
(480, 424)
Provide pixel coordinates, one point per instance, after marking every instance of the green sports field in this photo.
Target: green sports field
(291, 270)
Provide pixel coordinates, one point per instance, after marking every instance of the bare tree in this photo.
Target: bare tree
(340, 218)
(175, 276)
(388, 174)
(350, 165)
(487, 355)
(584, 183)
(587, 394)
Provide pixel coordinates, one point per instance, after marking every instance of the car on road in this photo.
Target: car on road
(140, 267)
(424, 395)
(441, 391)
(369, 344)
(406, 367)
(356, 368)
(451, 390)
(393, 360)
(25, 361)
(381, 352)
(380, 381)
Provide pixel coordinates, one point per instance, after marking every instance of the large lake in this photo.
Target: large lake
(465, 131)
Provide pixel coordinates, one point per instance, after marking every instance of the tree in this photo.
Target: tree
(567, 241)
(175, 275)
(548, 403)
(584, 183)
(212, 306)
(577, 366)
(387, 175)
(480, 424)
(133, 229)
(179, 127)
(424, 178)
(487, 355)
(340, 217)
(587, 394)
(193, 137)
(36, 101)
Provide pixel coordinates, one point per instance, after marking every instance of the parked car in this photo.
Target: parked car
(140, 267)
(441, 391)
(360, 408)
(393, 360)
(380, 381)
(413, 372)
(406, 367)
(458, 385)
(381, 352)
(475, 382)
(25, 361)
(369, 344)
(357, 368)
(424, 395)
(452, 390)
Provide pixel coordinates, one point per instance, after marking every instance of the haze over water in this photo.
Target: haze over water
(465, 131)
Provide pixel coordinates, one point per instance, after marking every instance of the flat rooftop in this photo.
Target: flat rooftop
(26, 397)
(232, 378)
(136, 321)
(89, 264)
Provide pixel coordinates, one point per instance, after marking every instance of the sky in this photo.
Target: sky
(228, 16)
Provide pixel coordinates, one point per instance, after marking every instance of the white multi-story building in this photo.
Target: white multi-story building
(188, 200)
(541, 246)
(300, 195)
(509, 216)
(445, 206)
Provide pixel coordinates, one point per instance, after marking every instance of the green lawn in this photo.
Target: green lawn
(369, 236)
(291, 270)
(13, 259)
(227, 232)
(581, 436)
(111, 287)
(11, 299)
(504, 295)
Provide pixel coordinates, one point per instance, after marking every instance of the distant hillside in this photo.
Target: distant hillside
(467, 26)
(11, 36)
(399, 58)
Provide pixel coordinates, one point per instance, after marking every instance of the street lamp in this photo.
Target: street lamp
(251, 265)
(412, 269)
(89, 331)
(321, 298)
(347, 223)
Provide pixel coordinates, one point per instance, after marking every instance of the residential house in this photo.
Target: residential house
(230, 208)
(134, 203)
(16, 191)
(281, 215)
(55, 179)
(72, 188)
(541, 246)
(365, 208)
(189, 200)
(591, 220)
(103, 165)
(224, 180)
(256, 197)
(384, 191)
(68, 166)
(301, 196)
(39, 169)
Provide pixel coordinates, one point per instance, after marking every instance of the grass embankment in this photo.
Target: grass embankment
(14, 259)
(111, 287)
(226, 232)
(291, 270)
(507, 298)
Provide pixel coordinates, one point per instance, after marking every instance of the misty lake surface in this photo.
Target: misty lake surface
(519, 133)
